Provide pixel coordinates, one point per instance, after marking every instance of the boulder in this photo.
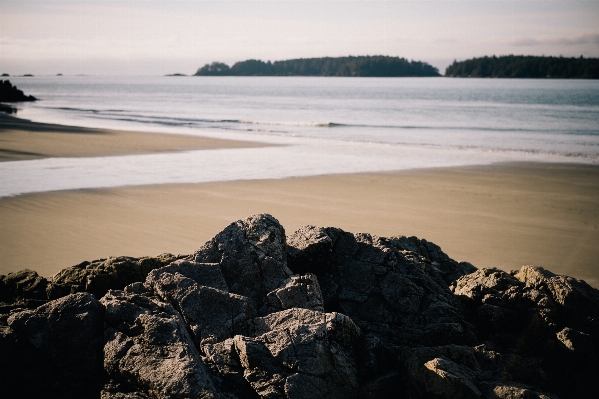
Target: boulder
(298, 291)
(10, 93)
(22, 289)
(99, 276)
(148, 351)
(54, 350)
(295, 353)
(321, 313)
(24, 284)
(545, 322)
(517, 391)
(210, 312)
(568, 301)
(447, 372)
(252, 255)
(383, 286)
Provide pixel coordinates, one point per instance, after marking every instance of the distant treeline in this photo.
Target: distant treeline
(520, 66)
(366, 66)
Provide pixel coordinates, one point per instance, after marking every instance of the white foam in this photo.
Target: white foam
(305, 157)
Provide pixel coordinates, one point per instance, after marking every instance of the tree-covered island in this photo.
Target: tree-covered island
(521, 66)
(364, 66)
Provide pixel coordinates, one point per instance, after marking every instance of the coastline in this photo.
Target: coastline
(501, 215)
(21, 139)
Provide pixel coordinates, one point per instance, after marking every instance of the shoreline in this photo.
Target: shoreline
(502, 215)
(22, 139)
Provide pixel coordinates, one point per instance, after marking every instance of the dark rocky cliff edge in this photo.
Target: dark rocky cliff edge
(321, 313)
(10, 93)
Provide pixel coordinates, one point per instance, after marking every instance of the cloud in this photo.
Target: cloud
(592, 38)
(445, 41)
(526, 42)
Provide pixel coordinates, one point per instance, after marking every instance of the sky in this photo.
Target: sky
(162, 37)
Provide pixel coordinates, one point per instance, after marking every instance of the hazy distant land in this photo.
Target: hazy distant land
(521, 66)
(362, 66)
(510, 66)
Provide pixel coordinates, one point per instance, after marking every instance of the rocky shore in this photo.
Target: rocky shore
(10, 93)
(319, 313)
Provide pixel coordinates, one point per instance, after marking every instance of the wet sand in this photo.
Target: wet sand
(22, 140)
(503, 215)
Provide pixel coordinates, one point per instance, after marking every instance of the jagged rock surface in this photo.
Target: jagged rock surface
(321, 313)
(10, 93)
(99, 276)
(538, 329)
(54, 350)
(148, 349)
(252, 255)
(22, 289)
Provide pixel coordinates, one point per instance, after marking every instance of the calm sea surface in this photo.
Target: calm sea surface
(326, 125)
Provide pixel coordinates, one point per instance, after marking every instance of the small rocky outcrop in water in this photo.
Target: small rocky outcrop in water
(10, 93)
(320, 313)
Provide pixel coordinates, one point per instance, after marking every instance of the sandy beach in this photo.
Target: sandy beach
(22, 139)
(503, 215)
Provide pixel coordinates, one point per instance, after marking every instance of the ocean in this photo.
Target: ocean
(322, 125)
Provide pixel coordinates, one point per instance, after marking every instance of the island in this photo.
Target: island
(363, 66)
(523, 66)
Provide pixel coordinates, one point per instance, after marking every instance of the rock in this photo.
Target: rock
(576, 302)
(99, 276)
(576, 341)
(22, 289)
(54, 350)
(252, 256)
(148, 351)
(543, 320)
(10, 93)
(24, 284)
(227, 372)
(504, 311)
(381, 285)
(445, 378)
(448, 269)
(300, 353)
(7, 109)
(517, 392)
(448, 372)
(210, 311)
(205, 274)
(118, 395)
(322, 313)
(297, 292)
(309, 248)
(295, 353)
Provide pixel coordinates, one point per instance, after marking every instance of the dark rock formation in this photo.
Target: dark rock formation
(54, 350)
(252, 255)
(7, 109)
(321, 313)
(149, 351)
(10, 93)
(99, 276)
(22, 289)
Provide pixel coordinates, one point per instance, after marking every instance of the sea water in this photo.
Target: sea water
(321, 125)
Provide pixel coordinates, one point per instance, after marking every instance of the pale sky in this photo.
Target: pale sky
(160, 37)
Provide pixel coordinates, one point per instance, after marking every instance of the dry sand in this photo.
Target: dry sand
(503, 215)
(21, 140)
